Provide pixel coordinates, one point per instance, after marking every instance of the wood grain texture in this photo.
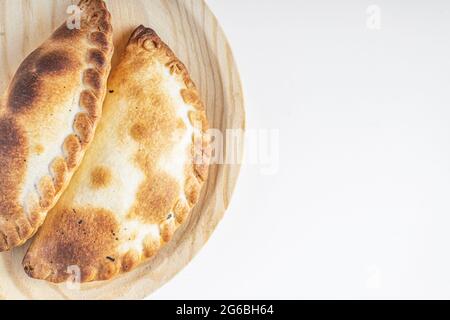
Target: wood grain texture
(194, 34)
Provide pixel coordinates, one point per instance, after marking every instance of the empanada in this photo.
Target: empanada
(47, 118)
(139, 179)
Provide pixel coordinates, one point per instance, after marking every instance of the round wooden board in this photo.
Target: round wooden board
(194, 34)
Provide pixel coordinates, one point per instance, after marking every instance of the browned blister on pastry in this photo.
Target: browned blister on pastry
(48, 116)
(140, 178)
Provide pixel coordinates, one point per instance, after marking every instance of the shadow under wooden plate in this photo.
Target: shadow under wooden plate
(194, 34)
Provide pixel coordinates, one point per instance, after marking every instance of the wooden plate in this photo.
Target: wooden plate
(194, 34)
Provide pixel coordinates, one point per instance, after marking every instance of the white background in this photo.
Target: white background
(360, 204)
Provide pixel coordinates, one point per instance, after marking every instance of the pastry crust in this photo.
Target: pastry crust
(48, 116)
(141, 176)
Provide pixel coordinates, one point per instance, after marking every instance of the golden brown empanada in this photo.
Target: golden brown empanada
(47, 119)
(140, 177)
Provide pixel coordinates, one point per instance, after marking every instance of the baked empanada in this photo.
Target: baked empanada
(47, 118)
(139, 179)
